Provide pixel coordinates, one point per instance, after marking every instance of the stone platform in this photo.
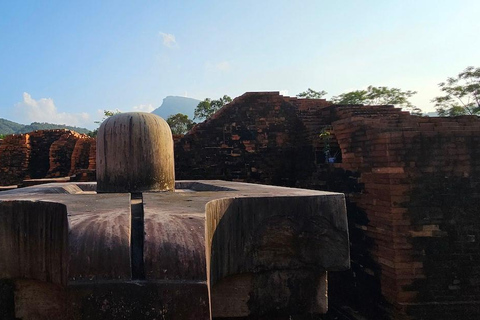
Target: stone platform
(210, 249)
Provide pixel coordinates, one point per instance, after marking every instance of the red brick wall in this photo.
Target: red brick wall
(14, 159)
(425, 250)
(61, 152)
(83, 155)
(256, 138)
(44, 153)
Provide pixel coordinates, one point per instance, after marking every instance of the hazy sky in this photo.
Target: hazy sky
(63, 61)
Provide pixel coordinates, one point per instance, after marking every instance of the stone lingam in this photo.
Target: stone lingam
(138, 245)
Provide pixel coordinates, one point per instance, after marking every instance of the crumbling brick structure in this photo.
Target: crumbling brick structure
(412, 184)
(14, 159)
(45, 154)
(257, 138)
(420, 196)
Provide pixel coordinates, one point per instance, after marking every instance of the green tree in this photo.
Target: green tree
(462, 94)
(379, 96)
(208, 107)
(312, 94)
(106, 114)
(179, 123)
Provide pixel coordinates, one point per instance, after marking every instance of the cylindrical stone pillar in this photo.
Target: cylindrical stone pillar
(135, 154)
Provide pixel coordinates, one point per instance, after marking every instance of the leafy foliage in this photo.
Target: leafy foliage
(462, 94)
(47, 126)
(180, 123)
(107, 114)
(379, 96)
(208, 107)
(312, 94)
(325, 135)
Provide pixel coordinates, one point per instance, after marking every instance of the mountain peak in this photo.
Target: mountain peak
(174, 104)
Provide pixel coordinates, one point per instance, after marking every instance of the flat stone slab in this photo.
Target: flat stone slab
(34, 182)
(5, 188)
(218, 235)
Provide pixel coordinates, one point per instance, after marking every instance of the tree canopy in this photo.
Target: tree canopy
(208, 107)
(312, 94)
(107, 114)
(462, 94)
(180, 123)
(379, 96)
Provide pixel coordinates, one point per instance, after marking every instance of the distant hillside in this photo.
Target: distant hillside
(10, 127)
(173, 105)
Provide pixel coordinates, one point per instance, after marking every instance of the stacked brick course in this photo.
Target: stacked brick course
(83, 161)
(424, 246)
(81, 154)
(45, 153)
(61, 154)
(40, 143)
(14, 159)
(256, 138)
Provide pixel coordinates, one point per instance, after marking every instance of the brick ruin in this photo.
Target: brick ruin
(46, 154)
(412, 186)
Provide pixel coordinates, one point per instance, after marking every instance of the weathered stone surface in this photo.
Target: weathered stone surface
(39, 300)
(99, 239)
(134, 154)
(34, 241)
(107, 300)
(98, 230)
(174, 238)
(278, 232)
(285, 244)
(145, 300)
(176, 286)
(7, 299)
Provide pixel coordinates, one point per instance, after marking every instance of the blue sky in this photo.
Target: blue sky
(65, 61)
